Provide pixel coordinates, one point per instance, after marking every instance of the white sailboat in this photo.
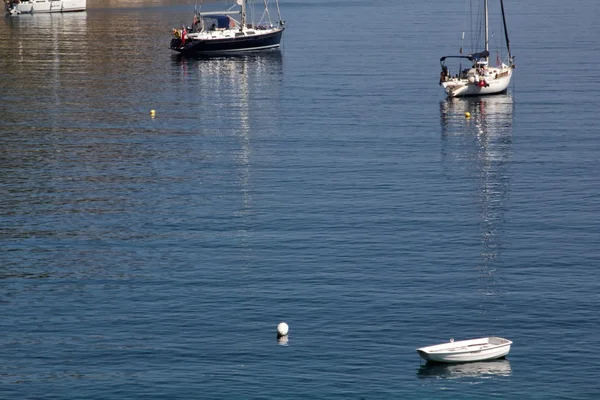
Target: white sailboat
(16, 7)
(481, 78)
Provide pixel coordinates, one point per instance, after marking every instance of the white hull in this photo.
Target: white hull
(49, 6)
(455, 87)
(481, 349)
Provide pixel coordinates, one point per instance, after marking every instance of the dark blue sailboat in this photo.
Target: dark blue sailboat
(217, 33)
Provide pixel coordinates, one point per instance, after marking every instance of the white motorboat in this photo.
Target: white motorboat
(480, 78)
(15, 7)
(481, 349)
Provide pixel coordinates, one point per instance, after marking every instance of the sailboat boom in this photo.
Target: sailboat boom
(213, 13)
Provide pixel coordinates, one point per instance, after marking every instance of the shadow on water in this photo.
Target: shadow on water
(273, 56)
(483, 369)
(249, 72)
(476, 151)
(238, 96)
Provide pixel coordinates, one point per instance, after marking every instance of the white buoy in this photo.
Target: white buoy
(282, 329)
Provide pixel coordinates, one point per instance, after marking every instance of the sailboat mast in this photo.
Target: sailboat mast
(487, 39)
(243, 24)
(506, 32)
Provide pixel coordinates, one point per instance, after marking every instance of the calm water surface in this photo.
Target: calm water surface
(329, 185)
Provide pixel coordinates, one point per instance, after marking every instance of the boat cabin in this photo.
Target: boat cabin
(212, 23)
(478, 65)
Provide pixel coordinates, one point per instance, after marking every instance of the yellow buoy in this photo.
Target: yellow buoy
(152, 113)
(467, 115)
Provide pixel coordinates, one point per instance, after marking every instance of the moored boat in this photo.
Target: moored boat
(480, 78)
(15, 7)
(228, 31)
(480, 349)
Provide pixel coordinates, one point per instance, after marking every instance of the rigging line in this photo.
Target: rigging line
(505, 31)
(279, 12)
(473, 27)
(481, 30)
(476, 26)
(462, 40)
(477, 46)
(471, 35)
(262, 17)
(267, 12)
(500, 48)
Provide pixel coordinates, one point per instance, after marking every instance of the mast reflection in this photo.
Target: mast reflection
(238, 96)
(478, 151)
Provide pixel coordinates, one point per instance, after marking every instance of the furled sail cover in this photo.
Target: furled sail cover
(479, 56)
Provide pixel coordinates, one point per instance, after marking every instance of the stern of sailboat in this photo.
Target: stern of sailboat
(480, 78)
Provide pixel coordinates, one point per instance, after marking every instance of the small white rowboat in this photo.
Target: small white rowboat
(488, 348)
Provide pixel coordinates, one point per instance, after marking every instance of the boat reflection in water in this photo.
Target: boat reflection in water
(283, 340)
(235, 100)
(222, 90)
(251, 65)
(476, 152)
(482, 369)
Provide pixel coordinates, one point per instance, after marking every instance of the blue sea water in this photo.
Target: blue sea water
(329, 185)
